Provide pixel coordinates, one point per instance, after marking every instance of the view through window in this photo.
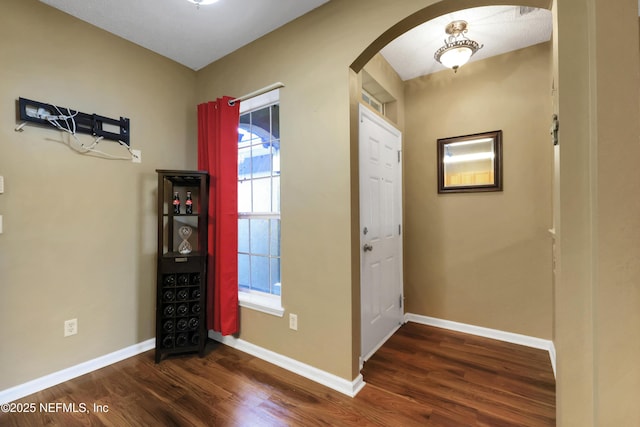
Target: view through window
(259, 197)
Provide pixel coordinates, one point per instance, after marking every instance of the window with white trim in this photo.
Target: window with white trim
(259, 284)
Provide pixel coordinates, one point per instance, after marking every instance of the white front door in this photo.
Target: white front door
(380, 231)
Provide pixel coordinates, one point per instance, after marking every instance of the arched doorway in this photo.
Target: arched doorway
(542, 240)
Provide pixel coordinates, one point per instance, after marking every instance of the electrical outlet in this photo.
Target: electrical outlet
(293, 321)
(136, 156)
(70, 327)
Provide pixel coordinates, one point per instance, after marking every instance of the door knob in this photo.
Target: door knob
(367, 247)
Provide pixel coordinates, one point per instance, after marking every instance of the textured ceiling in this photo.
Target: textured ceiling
(500, 29)
(179, 30)
(195, 37)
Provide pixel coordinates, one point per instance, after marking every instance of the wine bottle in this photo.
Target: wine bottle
(183, 294)
(168, 295)
(167, 341)
(183, 309)
(169, 311)
(168, 326)
(193, 323)
(181, 340)
(195, 294)
(169, 280)
(195, 279)
(195, 308)
(183, 279)
(182, 324)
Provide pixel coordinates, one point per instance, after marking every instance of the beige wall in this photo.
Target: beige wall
(482, 258)
(311, 57)
(79, 235)
(597, 332)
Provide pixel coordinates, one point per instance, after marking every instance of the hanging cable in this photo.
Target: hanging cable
(83, 149)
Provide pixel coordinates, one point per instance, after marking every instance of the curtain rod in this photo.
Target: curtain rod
(265, 89)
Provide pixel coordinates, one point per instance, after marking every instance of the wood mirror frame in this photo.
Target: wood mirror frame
(470, 163)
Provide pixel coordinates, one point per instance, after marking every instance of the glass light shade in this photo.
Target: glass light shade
(458, 49)
(456, 57)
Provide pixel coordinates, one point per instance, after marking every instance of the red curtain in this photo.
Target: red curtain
(218, 155)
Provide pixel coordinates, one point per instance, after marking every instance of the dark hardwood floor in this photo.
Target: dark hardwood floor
(423, 376)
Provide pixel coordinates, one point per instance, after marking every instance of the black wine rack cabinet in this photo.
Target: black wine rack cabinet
(182, 261)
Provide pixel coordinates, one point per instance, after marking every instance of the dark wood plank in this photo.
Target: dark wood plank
(501, 383)
(423, 376)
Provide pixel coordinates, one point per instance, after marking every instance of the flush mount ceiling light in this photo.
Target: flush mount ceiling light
(202, 2)
(457, 49)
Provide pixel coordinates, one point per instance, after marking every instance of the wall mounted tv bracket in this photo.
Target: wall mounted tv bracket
(93, 124)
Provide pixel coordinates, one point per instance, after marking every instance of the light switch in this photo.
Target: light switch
(0, 224)
(1, 184)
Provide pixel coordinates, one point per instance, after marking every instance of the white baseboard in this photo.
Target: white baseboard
(495, 334)
(350, 388)
(39, 384)
(552, 355)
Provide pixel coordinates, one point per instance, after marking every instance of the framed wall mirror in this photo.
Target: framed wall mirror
(470, 163)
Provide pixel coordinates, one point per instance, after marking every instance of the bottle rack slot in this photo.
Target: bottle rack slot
(180, 311)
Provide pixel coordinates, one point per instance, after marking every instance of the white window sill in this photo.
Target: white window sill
(270, 304)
